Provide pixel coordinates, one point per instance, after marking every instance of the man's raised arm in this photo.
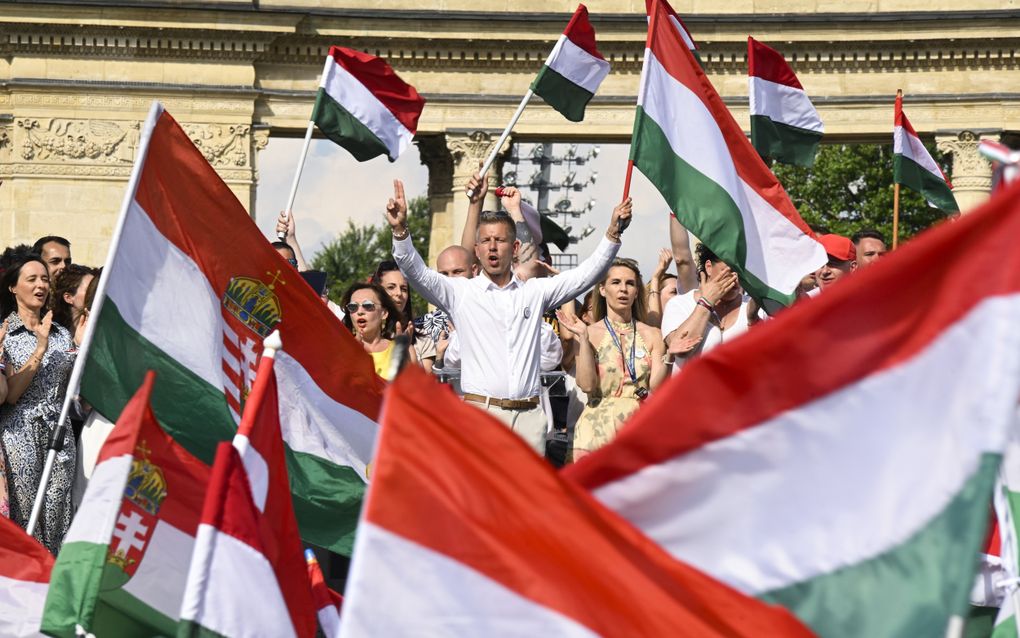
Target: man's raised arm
(568, 285)
(436, 289)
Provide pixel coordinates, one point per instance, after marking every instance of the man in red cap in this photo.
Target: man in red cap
(842, 260)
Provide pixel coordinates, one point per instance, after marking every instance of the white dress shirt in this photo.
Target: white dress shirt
(552, 350)
(500, 328)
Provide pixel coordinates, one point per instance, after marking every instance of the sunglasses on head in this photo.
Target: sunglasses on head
(369, 306)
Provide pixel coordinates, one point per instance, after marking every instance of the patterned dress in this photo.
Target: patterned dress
(615, 399)
(25, 430)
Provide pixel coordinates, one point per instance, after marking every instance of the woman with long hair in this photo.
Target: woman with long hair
(38, 355)
(69, 294)
(619, 356)
(389, 277)
(372, 316)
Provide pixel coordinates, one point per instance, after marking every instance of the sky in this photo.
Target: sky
(335, 188)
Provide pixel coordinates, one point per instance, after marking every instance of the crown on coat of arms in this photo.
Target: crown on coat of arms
(146, 485)
(254, 303)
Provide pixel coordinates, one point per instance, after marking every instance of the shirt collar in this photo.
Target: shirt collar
(488, 284)
(14, 322)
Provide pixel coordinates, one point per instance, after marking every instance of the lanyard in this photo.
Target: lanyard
(629, 364)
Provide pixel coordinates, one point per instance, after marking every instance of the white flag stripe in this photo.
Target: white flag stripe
(683, 32)
(21, 607)
(781, 103)
(804, 491)
(340, 434)
(577, 65)
(912, 148)
(230, 565)
(386, 598)
(256, 468)
(180, 313)
(329, 620)
(162, 575)
(102, 500)
(360, 102)
(700, 143)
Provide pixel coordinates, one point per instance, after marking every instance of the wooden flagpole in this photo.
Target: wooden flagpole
(896, 200)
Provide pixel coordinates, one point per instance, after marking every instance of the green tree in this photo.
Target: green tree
(355, 253)
(850, 188)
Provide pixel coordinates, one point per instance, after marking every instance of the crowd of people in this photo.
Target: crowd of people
(563, 359)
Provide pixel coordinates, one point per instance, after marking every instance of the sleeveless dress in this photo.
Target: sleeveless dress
(616, 397)
(382, 360)
(25, 431)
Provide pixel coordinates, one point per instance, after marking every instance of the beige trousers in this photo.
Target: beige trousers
(530, 425)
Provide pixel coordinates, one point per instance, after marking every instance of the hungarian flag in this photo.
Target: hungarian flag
(453, 544)
(248, 533)
(915, 168)
(124, 562)
(1004, 581)
(25, 567)
(692, 150)
(191, 291)
(574, 70)
(784, 124)
(678, 24)
(831, 460)
(364, 106)
(327, 601)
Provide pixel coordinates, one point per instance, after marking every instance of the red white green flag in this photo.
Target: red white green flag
(25, 567)
(452, 544)
(574, 70)
(124, 562)
(364, 106)
(327, 601)
(190, 291)
(915, 168)
(678, 24)
(692, 150)
(248, 533)
(830, 460)
(784, 124)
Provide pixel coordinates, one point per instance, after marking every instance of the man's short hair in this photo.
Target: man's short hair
(42, 241)
(702, 254)
(497, 217)
(282, 244)
(866, 233)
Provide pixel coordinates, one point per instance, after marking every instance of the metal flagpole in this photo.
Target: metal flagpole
(59, 431)
(287, 212)
(502, 138)
(896, 202)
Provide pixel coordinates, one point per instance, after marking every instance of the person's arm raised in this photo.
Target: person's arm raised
(572, 283)
(686, 273)
(286, 225)
(436, 289)
(478, 185)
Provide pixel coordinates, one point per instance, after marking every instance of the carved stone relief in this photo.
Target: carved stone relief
(72, 140)
(468, 150)
(222, 145)
(971, 171)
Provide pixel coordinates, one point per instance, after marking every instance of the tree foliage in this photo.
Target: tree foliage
(850, 188)
(356, 252)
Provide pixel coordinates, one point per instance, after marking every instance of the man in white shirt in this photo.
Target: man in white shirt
(499, 317)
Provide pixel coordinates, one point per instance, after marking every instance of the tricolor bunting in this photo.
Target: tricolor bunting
(915, 168)
(248, 533)
(452, 544)
(784, 124)
(327, 601)
(696, 155)
(799, 468)
(192, 290)
(124, 562)
(574, 70)
(25, 567)
(364, 106)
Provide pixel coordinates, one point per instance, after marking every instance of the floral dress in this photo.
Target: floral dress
(25, 430)
(616, 397)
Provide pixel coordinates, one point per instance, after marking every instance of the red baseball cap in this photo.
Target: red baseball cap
(838, 247)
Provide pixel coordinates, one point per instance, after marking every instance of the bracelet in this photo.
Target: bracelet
(400, 237)
(653, 292)
(705, 304)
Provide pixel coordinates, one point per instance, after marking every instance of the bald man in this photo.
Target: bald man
(456, 261)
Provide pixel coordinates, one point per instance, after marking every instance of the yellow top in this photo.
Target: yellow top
(382, 360)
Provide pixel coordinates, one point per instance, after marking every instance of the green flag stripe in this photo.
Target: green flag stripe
(74, 588)
(910, 590)
(914, 176)
(327, 497)
(339, 125)
(784, 143)
(560, 93)
(701, 205)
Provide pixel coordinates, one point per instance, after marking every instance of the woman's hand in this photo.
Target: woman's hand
(576, 327)
(665, 259)
(79, 326)
(42, 333)
(683, 344)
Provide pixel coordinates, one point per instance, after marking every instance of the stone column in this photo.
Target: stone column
(434, 155)
(259, 142)
(972, 173)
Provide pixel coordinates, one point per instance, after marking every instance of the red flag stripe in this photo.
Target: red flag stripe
(729, 389)
(580, 32)
(768, 64)
(21, 556)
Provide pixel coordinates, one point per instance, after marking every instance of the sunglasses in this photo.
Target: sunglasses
(352, 307)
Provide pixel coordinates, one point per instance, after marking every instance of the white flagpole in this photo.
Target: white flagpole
(287, 212)
(57, 434)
